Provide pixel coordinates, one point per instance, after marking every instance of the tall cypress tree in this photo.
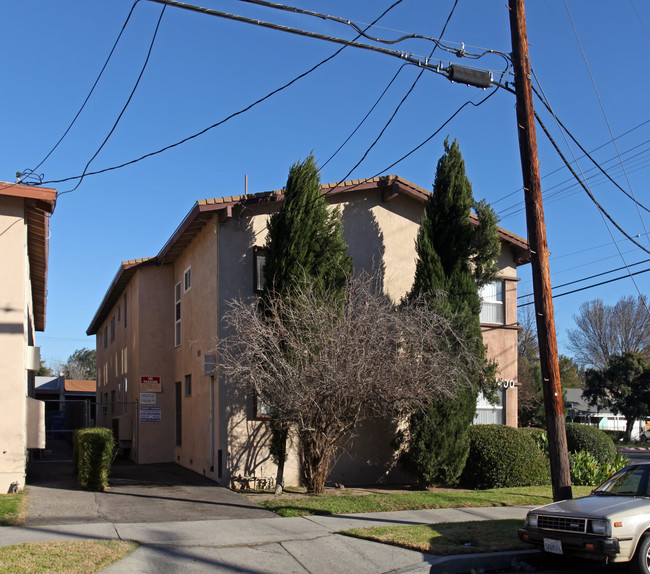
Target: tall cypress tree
(304, 243)
(455, 258)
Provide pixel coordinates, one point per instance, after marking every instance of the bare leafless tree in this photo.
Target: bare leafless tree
(323, 367)
(604, 330)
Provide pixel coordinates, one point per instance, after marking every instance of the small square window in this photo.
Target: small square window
(262, 409)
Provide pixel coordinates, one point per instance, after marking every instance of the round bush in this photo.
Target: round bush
(501, 456)
(539, 436)
(581, 437)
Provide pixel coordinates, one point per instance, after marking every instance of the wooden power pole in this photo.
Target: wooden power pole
(551, 385)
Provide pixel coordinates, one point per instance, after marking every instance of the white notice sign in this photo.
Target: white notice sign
(150, 414)
(147, 398)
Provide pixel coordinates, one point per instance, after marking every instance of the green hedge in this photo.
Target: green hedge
(502, 456)
(615, 435)
(539, 436)
(92, 453)
(592, 440)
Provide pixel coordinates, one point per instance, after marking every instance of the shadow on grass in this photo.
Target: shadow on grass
(447, 539)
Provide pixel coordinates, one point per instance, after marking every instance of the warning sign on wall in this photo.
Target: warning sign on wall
(150, 385)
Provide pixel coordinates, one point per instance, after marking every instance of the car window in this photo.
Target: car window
(630, 482)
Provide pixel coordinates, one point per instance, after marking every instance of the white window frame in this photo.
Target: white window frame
(493, 302)
(177, 314)
(259, 260)
(187, 279)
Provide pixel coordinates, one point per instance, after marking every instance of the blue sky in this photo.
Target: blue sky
(590, 60)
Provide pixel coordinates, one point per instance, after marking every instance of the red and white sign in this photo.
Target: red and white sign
(150, 385)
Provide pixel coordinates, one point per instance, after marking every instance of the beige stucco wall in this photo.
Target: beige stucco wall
(15, 333)
(198, 339)
(143, 348)
(221, 438)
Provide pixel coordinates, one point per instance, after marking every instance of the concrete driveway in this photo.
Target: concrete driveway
(137, 493)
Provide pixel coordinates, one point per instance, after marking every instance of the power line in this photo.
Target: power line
(586, 153)
(602, 108)
(279, 27)
(589, 194)
(92, 89)
(563, 167)
(128, 101)
(408, 93)
(217, 124)
(591, 286)
(626, 267)
(354, 131)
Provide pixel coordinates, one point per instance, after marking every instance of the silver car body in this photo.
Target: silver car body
(606, 525)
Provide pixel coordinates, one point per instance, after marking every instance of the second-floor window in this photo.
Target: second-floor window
(177, 314)
(493, 302)
(259, 259)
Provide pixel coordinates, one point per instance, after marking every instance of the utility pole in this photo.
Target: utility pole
(551, 385)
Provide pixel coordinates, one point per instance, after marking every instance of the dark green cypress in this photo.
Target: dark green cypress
(304, 243)
(305, 238)
(455, 258)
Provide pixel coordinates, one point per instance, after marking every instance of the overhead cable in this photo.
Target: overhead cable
(126, 105)
(591, 286)
(224, 120)
(92, 89)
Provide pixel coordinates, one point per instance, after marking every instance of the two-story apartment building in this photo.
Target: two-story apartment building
(157, 382)
(24, 240)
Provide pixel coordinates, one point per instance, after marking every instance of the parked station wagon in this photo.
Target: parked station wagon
(612, 524)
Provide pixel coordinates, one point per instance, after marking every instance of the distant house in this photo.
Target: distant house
(24, 241)
(159, 322)
(69, 404)
(579, 411)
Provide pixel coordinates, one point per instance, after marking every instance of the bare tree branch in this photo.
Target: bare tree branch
(323, 367)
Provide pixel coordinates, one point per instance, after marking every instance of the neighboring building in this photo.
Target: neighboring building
(159, 322)
(579, 411)
(69, 404)
(24, 239)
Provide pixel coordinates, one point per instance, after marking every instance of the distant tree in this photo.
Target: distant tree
(530, 401)
(332, 366)
(455, 258)
(623, 387)
(604, 330)
(304, 245)
(81, 365)
(44, 371)
(572, 375)
(530, 398)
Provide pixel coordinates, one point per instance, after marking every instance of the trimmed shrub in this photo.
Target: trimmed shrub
(590, 439)
(539, 436)
(503, 456)
(92, 452)
(615, 435)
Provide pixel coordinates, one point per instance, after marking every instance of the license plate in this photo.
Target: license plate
(553, 546)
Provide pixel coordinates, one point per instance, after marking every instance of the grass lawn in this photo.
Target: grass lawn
(449, 538)
(351, 501)
(10, 508)
(79, 557)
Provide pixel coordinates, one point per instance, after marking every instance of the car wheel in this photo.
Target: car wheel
(643, 438)
(642, 556)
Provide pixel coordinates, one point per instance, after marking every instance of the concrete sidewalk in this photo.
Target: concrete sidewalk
(187, 523)
(301, 545)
